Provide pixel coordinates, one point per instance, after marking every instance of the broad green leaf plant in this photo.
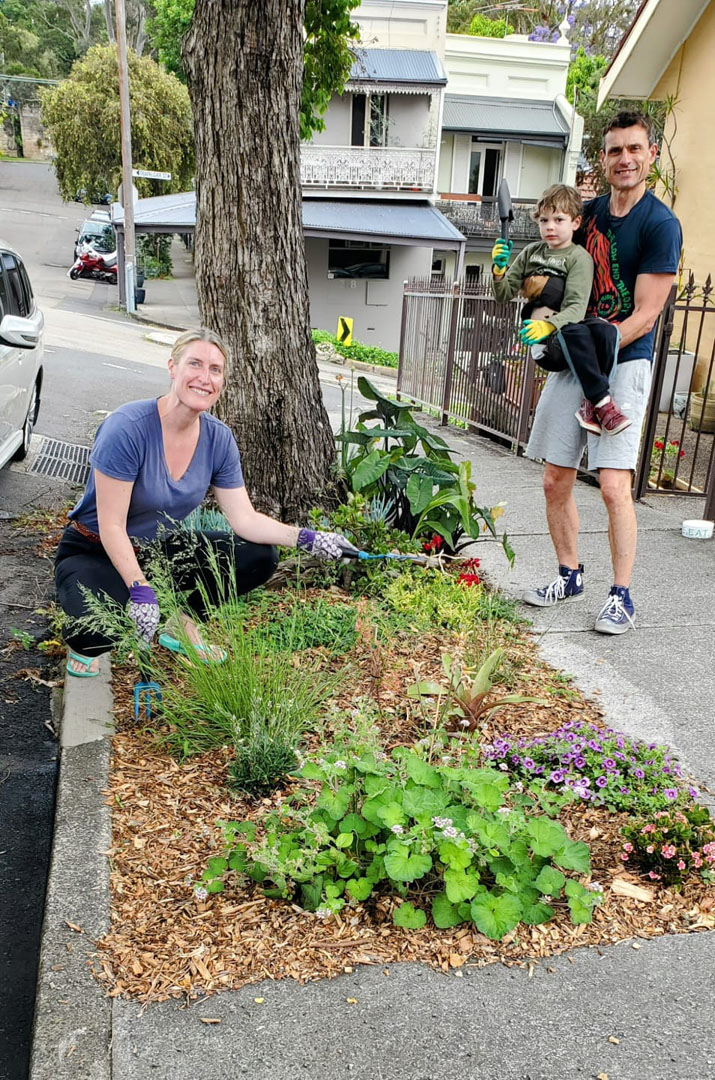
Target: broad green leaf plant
(455, 842)
(410, 470)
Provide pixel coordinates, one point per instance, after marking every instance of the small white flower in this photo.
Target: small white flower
(519, 786)
(547, 899)
(451, 832)
(200, 892)
(464, 722)
(504, 767)
(503, 810)
(594, 886)
(323, 913)
(340, 766)
(397, 830)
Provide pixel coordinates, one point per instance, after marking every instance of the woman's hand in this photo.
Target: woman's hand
(325, 545)
(143, 610)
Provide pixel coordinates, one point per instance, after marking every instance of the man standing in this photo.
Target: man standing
(635, 242)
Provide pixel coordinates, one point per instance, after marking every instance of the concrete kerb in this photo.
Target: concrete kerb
(73, 1016)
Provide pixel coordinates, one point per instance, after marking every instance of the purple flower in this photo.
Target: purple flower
(609, 763)
(528, 763)
(569, 736)
(593, 744)
(665, 770)
(619, 755)
(670, 793)
(601, 781)
(539, 770)
(693, 792)
(579, 762)
(557, 776)
(624, 790)
(638, 773)
(566, 759)
(516, 759)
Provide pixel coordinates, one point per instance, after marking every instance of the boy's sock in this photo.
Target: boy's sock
(603, 401)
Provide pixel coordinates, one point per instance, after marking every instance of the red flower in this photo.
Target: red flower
(675, 442)
(682, 453)
(430, 546)
(469, 579)
(658, 444)
(470, 564)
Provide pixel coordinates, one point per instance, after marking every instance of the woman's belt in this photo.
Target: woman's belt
(93, 536)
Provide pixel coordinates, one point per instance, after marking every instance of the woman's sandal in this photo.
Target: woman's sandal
(86, 661)
(207, 654)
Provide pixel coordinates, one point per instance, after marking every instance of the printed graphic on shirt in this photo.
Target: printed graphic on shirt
(610, 297)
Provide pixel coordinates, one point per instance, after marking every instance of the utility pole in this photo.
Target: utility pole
(127, 187)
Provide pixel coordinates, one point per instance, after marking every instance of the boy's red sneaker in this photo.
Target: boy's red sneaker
(611, 419)
(586, 416)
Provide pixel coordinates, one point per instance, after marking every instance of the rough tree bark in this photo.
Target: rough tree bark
(244, 64)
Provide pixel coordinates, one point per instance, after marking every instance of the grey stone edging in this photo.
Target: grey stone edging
(72, 1028)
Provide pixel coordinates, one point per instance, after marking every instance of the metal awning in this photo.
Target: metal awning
(506, 118)
(414, 224)
(396, 70)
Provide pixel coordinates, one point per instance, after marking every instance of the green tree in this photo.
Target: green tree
(326, 58)
(483, 26)
(82, 115)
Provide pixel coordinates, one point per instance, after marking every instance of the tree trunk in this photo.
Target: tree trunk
(244, 66)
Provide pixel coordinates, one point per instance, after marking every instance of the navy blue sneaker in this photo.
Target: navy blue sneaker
(567, 586)
(616, 615)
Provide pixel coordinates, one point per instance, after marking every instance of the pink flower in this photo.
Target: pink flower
(648, 828)
(624, 857)
(668, 851)
(650, 849)
(653, 876)
(628, 847)
(681, 864)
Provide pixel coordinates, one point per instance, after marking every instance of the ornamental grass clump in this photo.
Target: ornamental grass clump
(455, 841)
(599, 765)
(671, 845)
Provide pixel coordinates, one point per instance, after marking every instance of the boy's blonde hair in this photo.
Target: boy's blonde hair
(561, 199)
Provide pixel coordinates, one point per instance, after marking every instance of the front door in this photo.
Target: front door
(484, 169)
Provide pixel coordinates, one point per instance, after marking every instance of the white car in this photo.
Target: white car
(21, 326)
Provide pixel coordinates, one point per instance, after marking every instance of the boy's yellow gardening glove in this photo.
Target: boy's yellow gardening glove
(535, 330)
(501, 253)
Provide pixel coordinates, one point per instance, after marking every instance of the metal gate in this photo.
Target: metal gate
(678, 449)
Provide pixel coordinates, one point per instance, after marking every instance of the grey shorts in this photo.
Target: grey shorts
(557, 436)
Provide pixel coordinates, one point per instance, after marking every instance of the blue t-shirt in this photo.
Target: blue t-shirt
(129, 446)
(646, 241)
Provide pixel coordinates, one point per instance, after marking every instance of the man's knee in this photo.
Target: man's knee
(558, 483)
(616, 488)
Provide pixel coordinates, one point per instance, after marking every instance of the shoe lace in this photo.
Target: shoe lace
(555, 591)
(614, 609)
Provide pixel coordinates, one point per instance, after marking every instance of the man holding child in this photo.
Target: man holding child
(600, 366)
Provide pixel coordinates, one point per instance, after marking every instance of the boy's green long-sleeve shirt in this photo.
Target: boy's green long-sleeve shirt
(572, 263)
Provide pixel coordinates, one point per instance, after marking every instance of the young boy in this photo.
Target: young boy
(556, 275)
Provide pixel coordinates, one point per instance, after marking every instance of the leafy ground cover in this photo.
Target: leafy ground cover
(390, 830)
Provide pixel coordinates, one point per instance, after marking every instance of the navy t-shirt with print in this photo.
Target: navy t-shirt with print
(646, 241)
(129, 445)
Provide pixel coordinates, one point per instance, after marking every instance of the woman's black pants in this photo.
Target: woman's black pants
(80, 561)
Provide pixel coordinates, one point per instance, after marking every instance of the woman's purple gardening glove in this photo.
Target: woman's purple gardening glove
(325, 545)
(143, 610)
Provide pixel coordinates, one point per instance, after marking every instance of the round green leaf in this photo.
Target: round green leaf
(574, 856)
(460, 885)
(550, 881)
(409, 917)
(444, 913)
(547, 837)
(359, 888)
(404, 865)
(344, 839)
(494, 915)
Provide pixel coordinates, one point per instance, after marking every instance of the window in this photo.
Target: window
(369, 120)
(472, 273)
(475, 162)
(357, 259)
(4, 298)
(484, 164)
(438, 266)
(18, 302)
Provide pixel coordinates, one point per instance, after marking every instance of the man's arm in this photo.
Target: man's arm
(651, 292)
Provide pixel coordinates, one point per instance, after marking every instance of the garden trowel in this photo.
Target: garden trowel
(506, 214)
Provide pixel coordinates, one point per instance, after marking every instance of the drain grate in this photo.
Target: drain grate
(63, 461)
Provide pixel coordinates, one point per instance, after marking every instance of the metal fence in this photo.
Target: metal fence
(460, 355)
(678, 451)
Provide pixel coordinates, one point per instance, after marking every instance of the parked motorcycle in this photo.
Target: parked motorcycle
(97, 265)
(101, 266)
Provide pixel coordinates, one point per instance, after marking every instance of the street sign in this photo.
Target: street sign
(147, 174)
(344, 332)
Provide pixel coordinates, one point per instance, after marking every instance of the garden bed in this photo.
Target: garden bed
(169, 939)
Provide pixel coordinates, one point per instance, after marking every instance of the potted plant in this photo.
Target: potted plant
(702, 409)
(663, 461)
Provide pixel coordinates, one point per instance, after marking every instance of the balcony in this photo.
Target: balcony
(352, 168)
(481, 219)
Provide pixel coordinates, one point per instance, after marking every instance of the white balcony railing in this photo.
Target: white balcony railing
(376, 167)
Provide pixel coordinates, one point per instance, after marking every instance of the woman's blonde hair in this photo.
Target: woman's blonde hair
(560, 199)
(202, 334)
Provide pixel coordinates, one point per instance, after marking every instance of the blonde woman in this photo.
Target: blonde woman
(153, 462)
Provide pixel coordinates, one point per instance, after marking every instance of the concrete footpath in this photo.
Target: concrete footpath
(658, 1001)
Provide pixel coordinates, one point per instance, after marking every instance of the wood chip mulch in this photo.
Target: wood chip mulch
(164, 943)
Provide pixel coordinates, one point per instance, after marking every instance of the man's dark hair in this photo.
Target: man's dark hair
(629, 118)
